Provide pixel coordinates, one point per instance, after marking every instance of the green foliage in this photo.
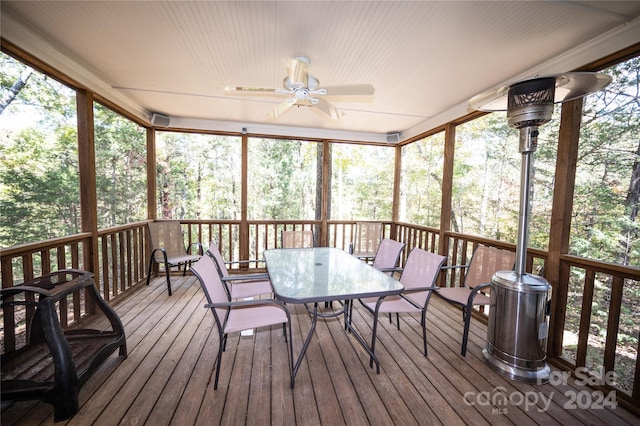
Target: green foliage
(421, 181)
(362, 182)
(282, 179)
(198, 176)
(121, 169)
(607, 186)
(39, 191)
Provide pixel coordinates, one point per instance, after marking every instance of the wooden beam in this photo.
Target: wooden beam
(87, 175)
(152, 202)
(395, 206)
(560, 227)
(447, 187)
(325, 197)
(244, 225)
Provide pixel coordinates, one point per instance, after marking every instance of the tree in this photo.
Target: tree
(607, 181)
(39, 192)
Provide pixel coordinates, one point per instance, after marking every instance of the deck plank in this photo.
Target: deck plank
(172, 342)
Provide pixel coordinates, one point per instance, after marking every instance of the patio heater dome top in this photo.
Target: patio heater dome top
(568, 86)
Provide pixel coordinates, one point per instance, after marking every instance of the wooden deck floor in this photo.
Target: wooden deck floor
(167, 378)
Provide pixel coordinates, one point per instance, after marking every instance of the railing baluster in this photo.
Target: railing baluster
(613, 323)
(585, 318)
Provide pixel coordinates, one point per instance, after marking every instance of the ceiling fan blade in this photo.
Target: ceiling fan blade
(281, 109)
(326, 108)
(249, 89)
(298, 69)
(350, 90)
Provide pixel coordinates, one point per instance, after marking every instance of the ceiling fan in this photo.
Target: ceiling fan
(304, 89)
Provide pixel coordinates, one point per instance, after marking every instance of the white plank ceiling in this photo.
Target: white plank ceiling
(424, 58)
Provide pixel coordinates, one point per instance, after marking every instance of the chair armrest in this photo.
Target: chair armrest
(233, 262)
(389, 269)
(420, 289)
(475, 290)
(161, 250)
(454, 267)
(199, 246)
(248, 277)
(245, 303)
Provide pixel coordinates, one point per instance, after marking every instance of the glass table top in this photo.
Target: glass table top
(324, 274)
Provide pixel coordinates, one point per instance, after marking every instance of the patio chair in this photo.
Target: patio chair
(418, 277)
(239, 286)
(238, 315)
(366, 240)
(388, 255)
(386, 260)
(297, 239)
(485, 262)
(168, 248)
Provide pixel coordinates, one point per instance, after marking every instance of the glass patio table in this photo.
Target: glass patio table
(325, 274)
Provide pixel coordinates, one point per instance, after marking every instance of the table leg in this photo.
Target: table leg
(305, 345)
(364, 344)
(347, 322)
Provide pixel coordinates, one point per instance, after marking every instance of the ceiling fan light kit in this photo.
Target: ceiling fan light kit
(303, 89)
(518, 329)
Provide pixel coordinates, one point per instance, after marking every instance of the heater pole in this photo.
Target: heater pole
(528, 145)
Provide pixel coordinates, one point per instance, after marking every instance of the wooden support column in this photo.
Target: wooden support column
(560, 227)
(447, 188)
(395, 206)
(152, 191)
(325, 196)
(87, 175)
(244, 225)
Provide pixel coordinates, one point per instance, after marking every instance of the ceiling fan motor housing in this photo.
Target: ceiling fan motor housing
(530, 102)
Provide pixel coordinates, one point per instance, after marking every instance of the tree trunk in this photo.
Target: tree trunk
(631, 209)
(12, 93)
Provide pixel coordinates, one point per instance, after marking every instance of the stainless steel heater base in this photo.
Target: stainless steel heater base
(518, 329)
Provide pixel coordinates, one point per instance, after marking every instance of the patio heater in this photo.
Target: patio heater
(517, 331)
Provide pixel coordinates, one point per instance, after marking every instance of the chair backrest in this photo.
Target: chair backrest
(215, 251)
(297, 239)
(367, 237)
(485, 262)
(421, 269)
(206, 272)
(388, 254)
(167, 234)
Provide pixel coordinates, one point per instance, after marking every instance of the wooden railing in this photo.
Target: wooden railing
(123, 254)
(614, 291)
(607, 365)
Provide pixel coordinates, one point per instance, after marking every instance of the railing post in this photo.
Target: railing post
(244, 225)
(87, 174)
(447, 188)
(395, 205)
(560, 226)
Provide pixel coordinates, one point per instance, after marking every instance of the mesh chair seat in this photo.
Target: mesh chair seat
(460, 296)
(261, 316)
(179, 260)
